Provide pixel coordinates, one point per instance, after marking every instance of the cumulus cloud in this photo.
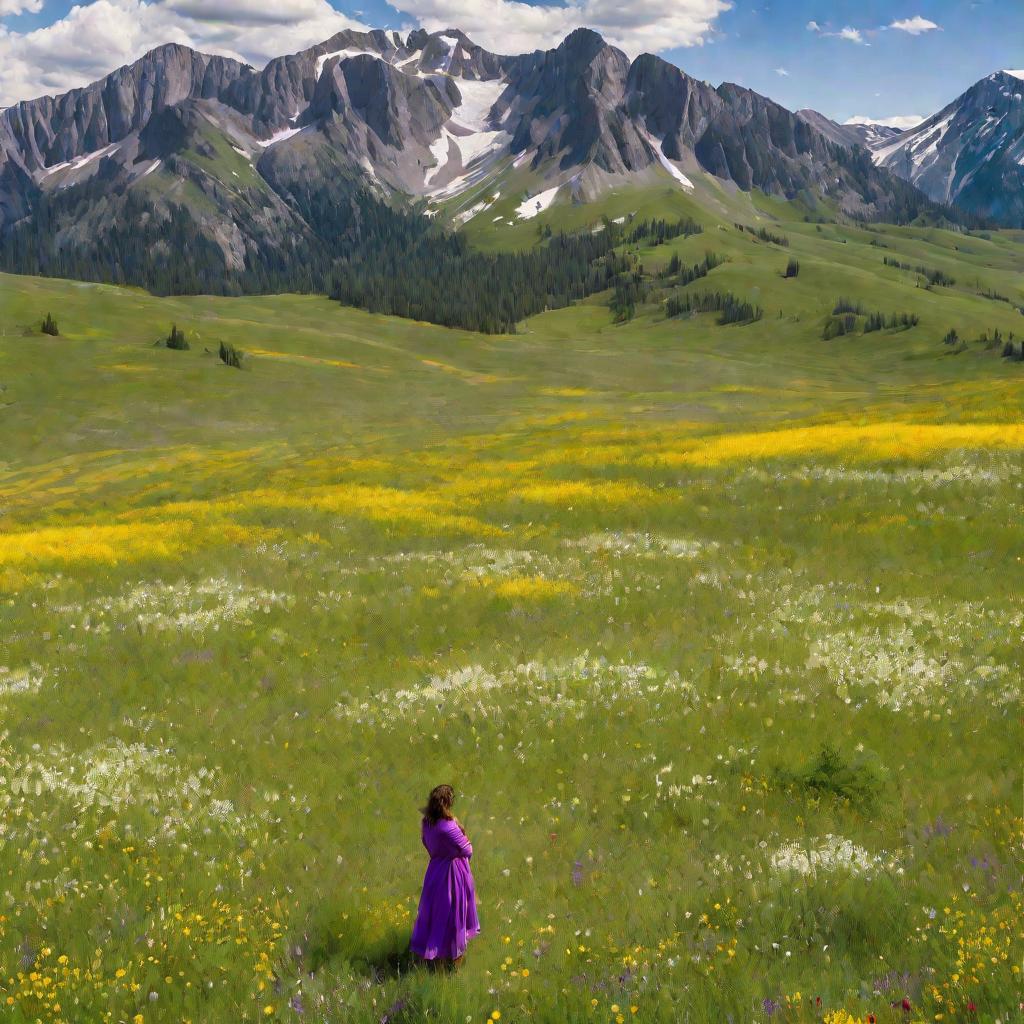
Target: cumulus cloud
(507, 26)
(94, 38)
(20, 7)
(901, 121)
(813, 26)
(915, 26)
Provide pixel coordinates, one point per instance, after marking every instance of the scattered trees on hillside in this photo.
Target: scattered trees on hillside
(678, 273)
(892, 322)
(989, 340)
(657, 232)
(764, 234)
(930, 274)
(989, 293)
(846, 316)
(733, 310)
(632, 288)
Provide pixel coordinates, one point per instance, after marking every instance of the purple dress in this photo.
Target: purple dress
(447, 917)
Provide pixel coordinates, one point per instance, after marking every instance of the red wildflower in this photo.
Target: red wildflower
(906, 1004)
(970, 1006)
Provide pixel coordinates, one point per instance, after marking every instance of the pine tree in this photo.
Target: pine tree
(230, 356)
(177, 340)
(50, 326)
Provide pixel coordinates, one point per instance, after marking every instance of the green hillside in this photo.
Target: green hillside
(714, 629)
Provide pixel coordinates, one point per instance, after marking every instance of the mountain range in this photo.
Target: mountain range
(970, 153)
(255, 172)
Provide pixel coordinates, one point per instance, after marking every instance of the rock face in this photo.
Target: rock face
(970, 153)
(248, 154)
(50, 130)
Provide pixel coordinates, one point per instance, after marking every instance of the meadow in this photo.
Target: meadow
(715, 630)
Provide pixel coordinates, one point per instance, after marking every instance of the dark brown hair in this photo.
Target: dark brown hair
(439, 805)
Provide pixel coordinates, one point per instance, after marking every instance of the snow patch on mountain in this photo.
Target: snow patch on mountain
(529, 208)
(281, 136)
(1016, 74)
(469, 131)
(472, 147)
(921, 145)
(468, 215)
(478, 99)
(668, 165)
(321, 62)
(79, 162)
(440, 151)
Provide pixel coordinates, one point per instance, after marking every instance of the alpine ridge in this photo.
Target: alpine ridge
(257, 170)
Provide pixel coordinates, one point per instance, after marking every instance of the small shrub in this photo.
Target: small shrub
(792, 268)
(858, 783)
(951, 337)
(177, 340)
(50, 326)
(230, 356)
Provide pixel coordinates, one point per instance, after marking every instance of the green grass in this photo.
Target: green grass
(699, 599)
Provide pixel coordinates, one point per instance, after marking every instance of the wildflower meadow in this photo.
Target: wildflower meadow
(716, 632)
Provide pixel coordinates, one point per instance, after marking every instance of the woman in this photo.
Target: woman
(447, 917)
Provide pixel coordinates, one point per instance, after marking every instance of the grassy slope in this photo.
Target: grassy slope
(324, 504)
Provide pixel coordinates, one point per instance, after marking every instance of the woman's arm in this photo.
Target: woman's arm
(462, 846)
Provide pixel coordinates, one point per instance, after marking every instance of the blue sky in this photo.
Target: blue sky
(849, 62)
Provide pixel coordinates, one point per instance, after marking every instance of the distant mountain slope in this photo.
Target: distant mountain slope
(971, 152)
(260, 173)
(851, 133)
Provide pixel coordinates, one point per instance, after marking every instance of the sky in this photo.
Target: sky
(886, 60)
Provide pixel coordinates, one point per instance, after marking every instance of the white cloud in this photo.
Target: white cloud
(852, 35)
(915, 26)
(8, 7)
(94, 38)
(782, 72)
(508, 26)
(901, 121)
